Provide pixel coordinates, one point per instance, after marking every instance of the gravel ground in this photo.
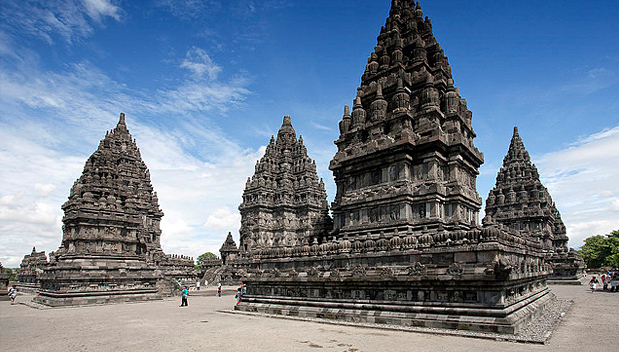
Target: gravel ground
(164, 326)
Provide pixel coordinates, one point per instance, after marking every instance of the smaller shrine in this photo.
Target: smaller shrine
(228, 250)
(30, 269)
(4, 281)
(111, 250)
(520, 201)
(284, 202)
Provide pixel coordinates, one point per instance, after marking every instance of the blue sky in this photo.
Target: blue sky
(205, 84)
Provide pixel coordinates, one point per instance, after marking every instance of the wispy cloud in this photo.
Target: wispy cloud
(590, 80)
(52, 120)
(582, 180)
(189, 8)
(67, 20)
(98, 9)
(200, 64)
(321, 127)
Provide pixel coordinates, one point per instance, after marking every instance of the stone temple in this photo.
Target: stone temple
(284, 203)
(520, 202)
(406, 246)
(4, 282)
(30, 269)
(110, 248)
(284, 207)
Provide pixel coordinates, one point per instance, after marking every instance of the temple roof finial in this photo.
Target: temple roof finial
(286, 132)
(122, 126)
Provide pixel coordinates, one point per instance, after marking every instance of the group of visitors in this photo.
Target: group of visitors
(242, 290)
(610, 282)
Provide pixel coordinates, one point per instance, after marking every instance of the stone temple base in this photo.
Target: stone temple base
(506, 318)
(53, 299)
(97, 279)
(491, 282)
(564, 281)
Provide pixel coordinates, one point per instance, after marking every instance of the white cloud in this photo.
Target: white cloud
(590, 81)
(582, 180)
(50, 122)
(97, 9)
(35, 182)
(189, 8)
(198, 62)
(321, 127)
(67, 19)
(223, 218)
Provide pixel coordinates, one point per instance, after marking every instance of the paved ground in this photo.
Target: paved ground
(591, 324)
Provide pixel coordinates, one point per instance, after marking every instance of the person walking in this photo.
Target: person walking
(239, 295)
(218, 288)
(13, 294)
(198, 285)
(184, 295)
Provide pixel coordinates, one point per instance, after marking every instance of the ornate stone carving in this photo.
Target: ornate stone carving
(455, 269)
(286, 194)
(417, 269)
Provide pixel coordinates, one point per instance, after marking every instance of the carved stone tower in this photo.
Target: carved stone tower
(228, 250)
(520, 201)
(405, 153)
(284, 202)
(112, 207)
(110, 232)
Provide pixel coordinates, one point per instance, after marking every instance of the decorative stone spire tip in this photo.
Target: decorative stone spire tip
(286, 121)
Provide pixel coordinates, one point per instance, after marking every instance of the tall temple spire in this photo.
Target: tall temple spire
(516, 151)
(284, 202)
(407, 107)
(112, 207)
(520, 200)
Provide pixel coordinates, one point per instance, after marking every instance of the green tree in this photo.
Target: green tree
(12, 274)
(206, 257)
(613, 243)
(601, 250)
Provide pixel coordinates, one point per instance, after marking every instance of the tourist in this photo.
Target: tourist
(205, 284)
(593, 283)
(604, 282)
(198, 285)
(184, 295)
(218, 288)
(13, 293)
(239, 294)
